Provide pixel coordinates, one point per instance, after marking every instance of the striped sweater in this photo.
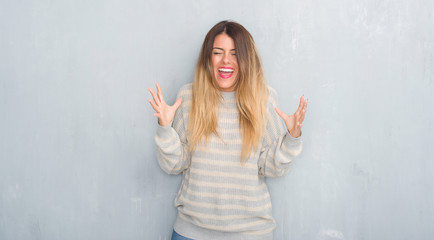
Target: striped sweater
(219, 198)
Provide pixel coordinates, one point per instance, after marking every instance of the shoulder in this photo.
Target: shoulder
(272, 97)
(273, 125)
(185, 91)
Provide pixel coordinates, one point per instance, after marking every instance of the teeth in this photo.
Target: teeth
(225, 70)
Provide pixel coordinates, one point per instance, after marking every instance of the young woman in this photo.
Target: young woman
(224, 135)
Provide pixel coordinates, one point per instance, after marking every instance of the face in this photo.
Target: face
(224, 62)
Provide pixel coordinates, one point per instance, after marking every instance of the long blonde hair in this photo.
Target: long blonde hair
(251, 91)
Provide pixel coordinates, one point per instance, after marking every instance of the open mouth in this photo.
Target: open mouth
(225, 72)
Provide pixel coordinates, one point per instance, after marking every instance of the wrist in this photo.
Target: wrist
(295, 134)
(163, 123)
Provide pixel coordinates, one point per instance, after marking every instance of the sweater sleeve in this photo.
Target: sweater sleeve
(171, 140)
(279, 148)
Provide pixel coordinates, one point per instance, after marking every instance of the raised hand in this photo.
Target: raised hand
(164, 112)
(294, 122)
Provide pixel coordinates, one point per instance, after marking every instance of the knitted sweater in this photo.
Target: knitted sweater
(219, 198)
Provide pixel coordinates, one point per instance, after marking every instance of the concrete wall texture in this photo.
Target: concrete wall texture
(77, 155)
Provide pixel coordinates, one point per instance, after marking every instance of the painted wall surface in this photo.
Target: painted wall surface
(77, 154)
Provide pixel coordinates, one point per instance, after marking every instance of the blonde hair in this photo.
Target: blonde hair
(251, 91)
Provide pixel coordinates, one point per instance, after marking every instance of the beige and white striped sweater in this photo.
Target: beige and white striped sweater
(219, 198)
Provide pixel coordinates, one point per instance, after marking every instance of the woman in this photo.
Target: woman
(226, 136)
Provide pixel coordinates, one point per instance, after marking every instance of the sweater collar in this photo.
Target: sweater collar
(228, 95)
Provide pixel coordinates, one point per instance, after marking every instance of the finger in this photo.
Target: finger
(298, 121)
(154, 96)
(155, 107)
(160, 93)
(304, 111)
(280, 112)
(302, 116)
(300, 106)
(297, 127)
(177, 103)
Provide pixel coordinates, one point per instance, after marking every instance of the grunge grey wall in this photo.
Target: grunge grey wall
(77, 155)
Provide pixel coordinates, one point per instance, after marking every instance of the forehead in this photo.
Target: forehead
(224, 41)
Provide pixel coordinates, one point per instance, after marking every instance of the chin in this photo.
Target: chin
(225, 85)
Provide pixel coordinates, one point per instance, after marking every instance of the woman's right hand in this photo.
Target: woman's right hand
(164, 112)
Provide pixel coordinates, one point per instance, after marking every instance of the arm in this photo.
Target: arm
(280, 145)
(171, 140)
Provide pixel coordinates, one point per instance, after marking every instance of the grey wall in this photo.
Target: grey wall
(77, 155)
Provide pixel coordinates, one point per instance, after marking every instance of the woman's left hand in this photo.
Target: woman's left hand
(294, 122)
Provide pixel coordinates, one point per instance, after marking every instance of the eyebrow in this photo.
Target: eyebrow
(222, 49)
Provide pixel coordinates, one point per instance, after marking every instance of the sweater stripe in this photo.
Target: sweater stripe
(225, 163)
(227, 206)
(220, 196)
(223, 153)
(225, 185)
(198, 171)
(233, 227)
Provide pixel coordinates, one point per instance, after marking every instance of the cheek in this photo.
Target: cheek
(214, 62)
(235, 63)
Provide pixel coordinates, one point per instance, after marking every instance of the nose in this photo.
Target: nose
(226, 58)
